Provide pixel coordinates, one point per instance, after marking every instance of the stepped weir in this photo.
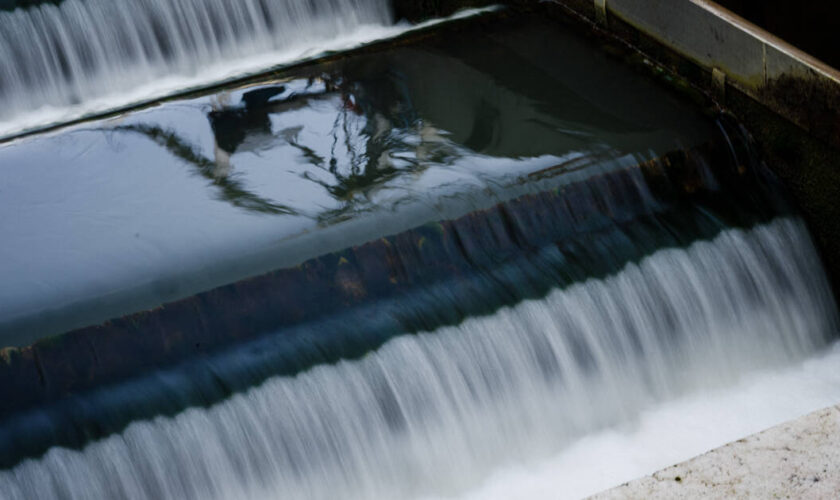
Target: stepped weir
(390, 272)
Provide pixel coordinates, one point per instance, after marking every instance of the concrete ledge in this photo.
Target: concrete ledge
(716, 37)
(810, 26)
(754, 61)
(798, 459)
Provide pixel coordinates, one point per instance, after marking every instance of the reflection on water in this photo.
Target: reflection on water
(363, 126)
(362, 137)
(112, 222)
(230, 189)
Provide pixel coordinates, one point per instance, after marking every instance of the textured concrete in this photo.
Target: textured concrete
(798, 459)
(715, 37)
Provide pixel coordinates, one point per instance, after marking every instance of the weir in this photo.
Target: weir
(388, 273)
(58, 60)
(496, 388)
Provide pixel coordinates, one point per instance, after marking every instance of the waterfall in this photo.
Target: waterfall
(56, 57)
(389, 276)
(431, 412)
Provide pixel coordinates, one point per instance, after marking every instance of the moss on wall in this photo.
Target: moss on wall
(809, 168)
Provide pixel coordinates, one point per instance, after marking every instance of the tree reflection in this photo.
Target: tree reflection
(381, 137)
(360, 127)
(230, 189)
(375, 137)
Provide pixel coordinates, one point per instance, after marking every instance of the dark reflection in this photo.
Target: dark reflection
(247, 126)
(376, 137)
(232, 125)
(371, 122)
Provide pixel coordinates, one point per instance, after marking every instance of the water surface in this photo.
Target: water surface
(125, 214)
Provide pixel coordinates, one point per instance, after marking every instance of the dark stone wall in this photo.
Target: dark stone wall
(808, 166)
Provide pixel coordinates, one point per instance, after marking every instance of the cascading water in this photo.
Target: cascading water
(58, 57)
(430, 413)
(388, 276)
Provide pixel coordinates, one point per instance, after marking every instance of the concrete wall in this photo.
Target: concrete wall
(793, 460)
(753, 60)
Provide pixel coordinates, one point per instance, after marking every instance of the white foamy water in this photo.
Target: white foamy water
(670, 433)
(85, 57)
(435, 414)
